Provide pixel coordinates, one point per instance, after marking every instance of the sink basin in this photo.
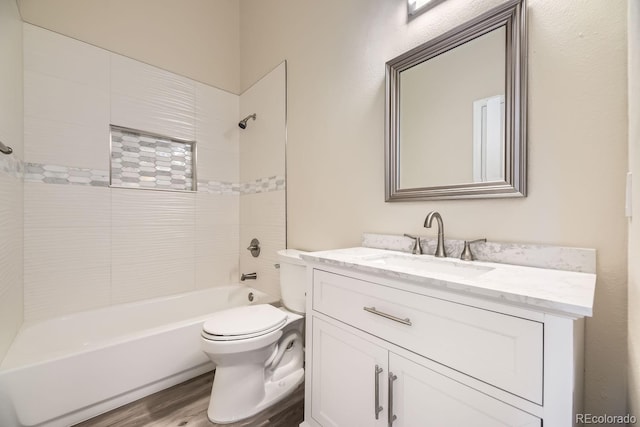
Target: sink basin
(424, 265)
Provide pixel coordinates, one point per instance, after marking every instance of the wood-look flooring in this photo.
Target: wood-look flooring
(185, 405)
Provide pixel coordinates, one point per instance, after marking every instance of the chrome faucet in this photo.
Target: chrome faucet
(440, 252)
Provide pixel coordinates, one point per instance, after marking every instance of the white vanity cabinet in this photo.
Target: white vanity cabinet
(384, 351)
(358, 383)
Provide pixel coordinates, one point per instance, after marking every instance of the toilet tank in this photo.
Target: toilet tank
(293, 274)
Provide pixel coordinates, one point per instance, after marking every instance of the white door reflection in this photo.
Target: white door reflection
(488, 139)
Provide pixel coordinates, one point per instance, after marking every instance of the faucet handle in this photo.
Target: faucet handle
(466, 254)
(417, 248)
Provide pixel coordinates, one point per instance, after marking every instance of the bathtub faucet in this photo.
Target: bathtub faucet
(249, 276)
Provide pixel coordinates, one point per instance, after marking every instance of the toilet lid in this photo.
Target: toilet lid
(246, 320)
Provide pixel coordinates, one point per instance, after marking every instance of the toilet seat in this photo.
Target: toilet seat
(243, 323)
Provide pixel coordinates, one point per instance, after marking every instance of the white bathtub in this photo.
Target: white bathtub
(65, 370)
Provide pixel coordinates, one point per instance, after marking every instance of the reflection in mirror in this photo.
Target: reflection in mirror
(456, 112)
(463, 125)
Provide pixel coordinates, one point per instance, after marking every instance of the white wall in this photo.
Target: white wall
(262, 164)
(634, 223)
(198, 39)
(11, 205)
(92, 246)
(336, 52)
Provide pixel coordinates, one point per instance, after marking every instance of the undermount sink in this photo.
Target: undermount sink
(426, 265)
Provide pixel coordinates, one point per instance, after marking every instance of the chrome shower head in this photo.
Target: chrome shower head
(243, 122)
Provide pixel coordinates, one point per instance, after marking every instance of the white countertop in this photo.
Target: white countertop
(550, 290)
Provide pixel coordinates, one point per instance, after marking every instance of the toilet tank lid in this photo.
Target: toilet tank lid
(292, 256)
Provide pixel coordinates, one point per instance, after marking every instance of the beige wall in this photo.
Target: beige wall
(11, 188)
(198, 39)
(336, 52)
(634, 224)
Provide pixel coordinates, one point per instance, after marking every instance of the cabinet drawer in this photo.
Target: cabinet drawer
(499, 349)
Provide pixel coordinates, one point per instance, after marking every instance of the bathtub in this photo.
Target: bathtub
(65, 370)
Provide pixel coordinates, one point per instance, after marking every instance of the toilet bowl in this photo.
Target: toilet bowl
(257, 350)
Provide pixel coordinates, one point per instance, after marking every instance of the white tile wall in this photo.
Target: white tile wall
(219, 270)
(11, 258)
(66, 206)
(11, 78)
(55, 55)
(153, 241)
(11, 187)
(67, 248)
(217, 134)
(262, 215)
(66, 100)
(10, 232)
(11, 315)
(262, 143)
(151, 278)
(66, 269)
(217, 209)
(87, 247)
(263, 209)
(262, 154)
(139, 208)
(50, 293)
(217, 235)
(150, 99)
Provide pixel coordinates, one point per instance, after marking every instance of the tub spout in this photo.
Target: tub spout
(248, 276)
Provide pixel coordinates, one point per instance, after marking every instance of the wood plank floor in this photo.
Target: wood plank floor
(185, 405)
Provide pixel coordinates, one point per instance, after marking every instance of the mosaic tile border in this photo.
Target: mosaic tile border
(263, 185)
(66, 175)
(259, 185)
(55, 174)
(218, 187)
(12, 166)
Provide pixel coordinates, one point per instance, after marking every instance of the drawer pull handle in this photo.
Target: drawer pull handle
(378, 408)
(392, 416)
(373, 310)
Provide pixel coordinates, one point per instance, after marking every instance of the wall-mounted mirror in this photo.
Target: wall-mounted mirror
(456, 112)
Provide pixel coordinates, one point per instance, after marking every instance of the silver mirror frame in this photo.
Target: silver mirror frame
(512, 15)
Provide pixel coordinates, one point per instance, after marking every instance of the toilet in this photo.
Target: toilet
(257, 349)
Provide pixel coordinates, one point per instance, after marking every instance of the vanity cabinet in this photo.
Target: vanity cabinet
(383, 351)
(358, 383)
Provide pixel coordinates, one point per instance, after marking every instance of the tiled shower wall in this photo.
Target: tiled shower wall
(87, 245)
(11, 207)
(262, 154)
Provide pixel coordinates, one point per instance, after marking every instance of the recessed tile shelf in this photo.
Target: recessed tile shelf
(149, 161)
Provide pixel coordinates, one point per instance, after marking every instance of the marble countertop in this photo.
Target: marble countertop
(544, 289)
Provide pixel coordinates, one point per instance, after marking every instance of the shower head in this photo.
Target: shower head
(243, 122)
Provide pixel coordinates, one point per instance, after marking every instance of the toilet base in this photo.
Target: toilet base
(274, 391)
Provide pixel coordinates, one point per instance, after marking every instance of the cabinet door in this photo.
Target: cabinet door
(343, 390)
(422, 397)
